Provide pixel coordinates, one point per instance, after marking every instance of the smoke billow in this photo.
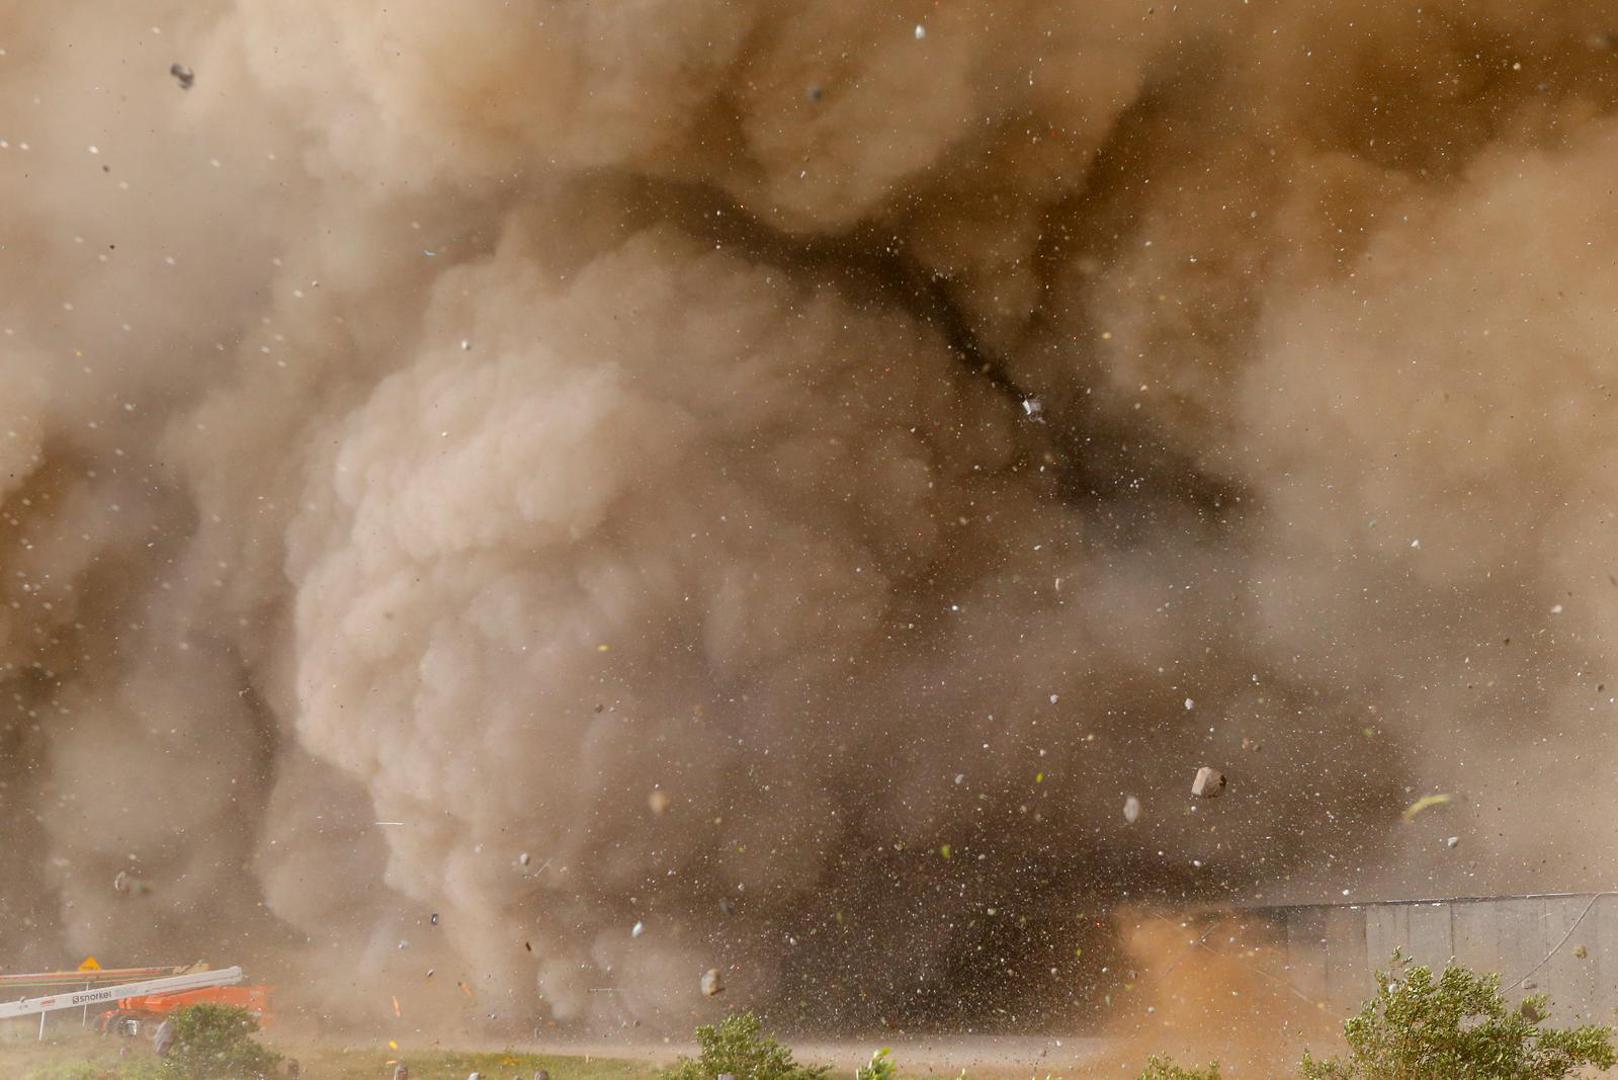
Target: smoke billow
(476, 478)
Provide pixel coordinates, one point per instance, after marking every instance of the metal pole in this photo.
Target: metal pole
(41, 1027)
(84, 1021)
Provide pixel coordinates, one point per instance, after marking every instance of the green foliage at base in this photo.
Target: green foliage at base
(1164, 1068)
(737, 1046)
(880, 1067)
(215, 1042)
(1457, 1026)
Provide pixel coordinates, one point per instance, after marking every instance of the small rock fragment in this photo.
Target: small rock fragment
(637, 930)
(182, 75)
(1452, 841)
(1132, 809)
(434, 918)
(713, 984)
(127, 884)
(524, 859)
(1208, 784)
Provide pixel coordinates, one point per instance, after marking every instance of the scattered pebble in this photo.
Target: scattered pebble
(713, 984)
(1132, 809)
(1452, 842)
(637, 930)
(182, 75)
(921, 32)
(1208, 783)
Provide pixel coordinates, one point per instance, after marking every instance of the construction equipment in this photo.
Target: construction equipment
(76, 999)
(132, 1014)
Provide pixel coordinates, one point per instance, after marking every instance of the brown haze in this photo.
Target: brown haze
(601, 432)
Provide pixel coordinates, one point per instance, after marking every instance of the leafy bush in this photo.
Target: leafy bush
(215, 1042)
(736, 1046)
(880, 1067)
(1164, 1068)
(1457, 1027)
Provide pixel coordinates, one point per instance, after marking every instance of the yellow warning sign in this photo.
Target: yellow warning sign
(90, 964)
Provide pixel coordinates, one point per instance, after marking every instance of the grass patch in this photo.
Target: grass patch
(89, 1057)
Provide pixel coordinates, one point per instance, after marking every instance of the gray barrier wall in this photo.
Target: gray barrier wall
(1564, 945)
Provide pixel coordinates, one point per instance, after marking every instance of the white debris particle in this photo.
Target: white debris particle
(1131, 809)
(921, 31)
(1189, 703)
(1055, 698)
(1415, 543)
(637, 930)
(1556, 610)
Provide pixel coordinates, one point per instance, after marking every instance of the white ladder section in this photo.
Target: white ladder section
(74, 999)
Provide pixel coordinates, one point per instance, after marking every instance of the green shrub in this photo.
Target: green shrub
(81, 1070)
(880, 1067)
(215, 1042)
(1164, 1068)
(1457, 1027)
(736, 1046)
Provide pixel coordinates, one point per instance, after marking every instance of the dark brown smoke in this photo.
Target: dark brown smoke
(781, 477)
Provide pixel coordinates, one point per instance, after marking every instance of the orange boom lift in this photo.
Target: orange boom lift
(140, 996)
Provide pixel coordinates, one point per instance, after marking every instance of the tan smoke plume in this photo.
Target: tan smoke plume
(780, 477)
(1211, 988)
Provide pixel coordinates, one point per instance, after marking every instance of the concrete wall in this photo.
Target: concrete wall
(1332, 950)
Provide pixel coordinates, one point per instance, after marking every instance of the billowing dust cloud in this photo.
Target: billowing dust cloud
(478, 477)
